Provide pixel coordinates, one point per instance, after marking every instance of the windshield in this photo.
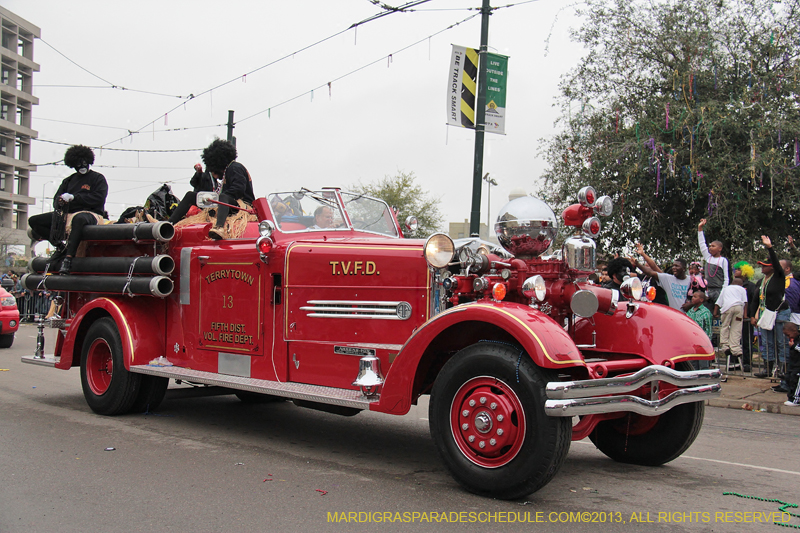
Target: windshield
(321, 211)
(369, 214)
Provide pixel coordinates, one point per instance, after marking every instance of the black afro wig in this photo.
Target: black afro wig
(619, 266)
(218, 155)
(77, 155)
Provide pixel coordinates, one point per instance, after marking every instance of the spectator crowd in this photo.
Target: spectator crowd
(749, 312)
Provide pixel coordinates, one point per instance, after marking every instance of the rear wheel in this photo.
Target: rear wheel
(650, 440)
(151, 394)
(488, 422)
(6, 340)
(108, 387)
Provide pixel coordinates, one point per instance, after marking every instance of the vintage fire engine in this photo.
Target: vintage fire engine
(519, 354)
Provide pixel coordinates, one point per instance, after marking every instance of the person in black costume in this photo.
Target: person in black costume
(618, 270)
(220, 160)
(84, 193)
(200, 182)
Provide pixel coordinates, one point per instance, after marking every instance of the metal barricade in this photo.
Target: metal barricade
(33, 303)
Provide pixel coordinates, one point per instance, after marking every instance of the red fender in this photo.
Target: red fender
(546, 342)
(660, 334)
(139, 328)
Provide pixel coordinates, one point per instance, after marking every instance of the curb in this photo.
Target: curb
(752, 405)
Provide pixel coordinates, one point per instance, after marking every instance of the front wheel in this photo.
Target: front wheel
(488, 422)
(650, 440)
(108, 387)
(6, 340)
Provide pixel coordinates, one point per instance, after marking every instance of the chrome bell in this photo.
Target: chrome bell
(369, 375)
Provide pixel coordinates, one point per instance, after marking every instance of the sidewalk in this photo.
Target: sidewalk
(752, 394)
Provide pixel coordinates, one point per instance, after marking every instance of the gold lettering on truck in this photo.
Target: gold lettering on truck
(229, 273)
(354, 268)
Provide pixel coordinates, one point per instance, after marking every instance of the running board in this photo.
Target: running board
(47, 360)
(297, 391)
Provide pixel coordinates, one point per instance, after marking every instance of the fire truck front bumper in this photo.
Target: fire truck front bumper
(607, 395)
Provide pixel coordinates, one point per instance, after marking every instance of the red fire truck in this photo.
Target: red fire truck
(519, 353)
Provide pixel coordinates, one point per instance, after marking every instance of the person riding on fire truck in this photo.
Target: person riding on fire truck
(81, 197)
(220, 160)
(323, 217)
(200, 182)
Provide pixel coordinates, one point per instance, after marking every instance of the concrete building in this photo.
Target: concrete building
(459, 230)
(16, 104)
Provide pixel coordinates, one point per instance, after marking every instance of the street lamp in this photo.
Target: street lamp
(490, 182)
(43, 196)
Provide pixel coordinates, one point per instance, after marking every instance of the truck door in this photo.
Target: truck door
(346, 300)
(224, 307)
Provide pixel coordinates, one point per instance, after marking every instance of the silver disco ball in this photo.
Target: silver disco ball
(526, 226)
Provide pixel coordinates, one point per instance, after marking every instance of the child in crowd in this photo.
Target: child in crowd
(700, 314)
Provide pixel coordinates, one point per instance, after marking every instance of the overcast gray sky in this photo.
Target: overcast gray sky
(385, 118)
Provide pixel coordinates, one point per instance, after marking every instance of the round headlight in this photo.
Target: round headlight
(604, 206)
(265, 228)
(587, 196)
(264, 245)
(584, 303)
(534, 287)
(631, 289)
(591, 226)
(439, 250)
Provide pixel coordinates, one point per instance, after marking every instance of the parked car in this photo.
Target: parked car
(9, 318)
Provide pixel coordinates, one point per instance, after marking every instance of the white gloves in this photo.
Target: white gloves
(67, 197)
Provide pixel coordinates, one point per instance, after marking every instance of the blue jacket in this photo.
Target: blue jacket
(793, 295)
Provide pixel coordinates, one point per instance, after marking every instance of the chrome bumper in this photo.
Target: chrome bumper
(606, 395)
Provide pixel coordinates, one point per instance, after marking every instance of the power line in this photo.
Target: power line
(287, 56)
(328, 84)
(389, 10)
(80, 123)
(126, 129)
(121, 149)
(112, 85)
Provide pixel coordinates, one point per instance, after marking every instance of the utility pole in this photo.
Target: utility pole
(480, 123)
(231, 138)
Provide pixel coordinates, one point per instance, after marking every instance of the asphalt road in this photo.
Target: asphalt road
(216, 464)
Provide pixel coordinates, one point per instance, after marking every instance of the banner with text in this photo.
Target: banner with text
(496, 80)
(462, 87)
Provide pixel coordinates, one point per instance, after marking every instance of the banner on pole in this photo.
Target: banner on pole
(496, 81)
(462, 87)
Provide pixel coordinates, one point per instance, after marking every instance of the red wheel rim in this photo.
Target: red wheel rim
(99, 367)
(488, 422)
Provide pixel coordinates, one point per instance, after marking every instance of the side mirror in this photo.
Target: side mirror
(411, 224)
(207, 199)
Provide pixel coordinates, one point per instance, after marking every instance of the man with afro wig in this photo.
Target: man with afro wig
(220, 160)
(81, 196)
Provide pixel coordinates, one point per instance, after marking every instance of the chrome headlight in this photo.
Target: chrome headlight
(8, 301)
(534, 287)
(439, 250)
(587, 196)
(631, 289)
(604, 206)
(584, 303)
(265, 228)
(591, 226)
